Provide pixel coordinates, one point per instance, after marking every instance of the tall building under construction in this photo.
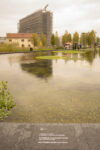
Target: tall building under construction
(38, 22)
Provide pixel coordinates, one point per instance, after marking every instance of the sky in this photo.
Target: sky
(71, 15)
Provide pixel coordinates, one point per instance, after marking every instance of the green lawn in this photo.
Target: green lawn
(71, 51)
(50, 57)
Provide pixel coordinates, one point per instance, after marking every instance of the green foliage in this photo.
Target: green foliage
(59, 47)
(60, 57)
(57, 43)
(53, 40)
(44, 49)
(91, 38)
(11, 48)
(84, 39)
(76, 37)
(43, 39)
(6, 101)
(50, 57)
(35, 39)
(66, 38)
(98, 40)
(70, 51)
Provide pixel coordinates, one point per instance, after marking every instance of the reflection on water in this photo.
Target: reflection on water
(61, 91)
(88, 57)
(40, 68)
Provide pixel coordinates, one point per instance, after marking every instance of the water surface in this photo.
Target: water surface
(53, 91)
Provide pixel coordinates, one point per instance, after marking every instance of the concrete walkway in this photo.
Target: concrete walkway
(16, 136)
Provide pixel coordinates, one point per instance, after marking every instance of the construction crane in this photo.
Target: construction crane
(45, 8)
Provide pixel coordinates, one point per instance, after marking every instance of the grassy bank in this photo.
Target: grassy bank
(9, 48)
(44, 49)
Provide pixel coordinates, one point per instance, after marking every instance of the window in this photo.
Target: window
(10, 40)
(28, 45)
(29, 40)
(22, 40)
(22, 45)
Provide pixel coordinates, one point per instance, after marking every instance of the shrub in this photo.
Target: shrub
(6, 100)
(12, 48)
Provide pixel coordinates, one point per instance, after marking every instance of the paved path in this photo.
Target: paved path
(16, 136)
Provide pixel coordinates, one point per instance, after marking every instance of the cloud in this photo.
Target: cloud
(80, 15)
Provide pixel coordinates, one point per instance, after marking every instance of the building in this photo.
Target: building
(38, 22)
(67, 45)
(21, 39)
(2, 39)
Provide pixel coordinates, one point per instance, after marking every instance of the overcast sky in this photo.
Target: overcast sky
(71, 15)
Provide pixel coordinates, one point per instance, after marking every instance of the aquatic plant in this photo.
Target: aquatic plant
(71, 51)
(6, 100)
(50, 57)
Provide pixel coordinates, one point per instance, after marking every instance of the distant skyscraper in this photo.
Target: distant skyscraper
(39, 22)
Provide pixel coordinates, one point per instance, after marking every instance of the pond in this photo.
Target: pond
(62, 90)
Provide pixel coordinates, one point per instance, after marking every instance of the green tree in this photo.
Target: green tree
(35, 39)
(69, 37)
(43, 39)
(63, 40)
(57, 39)
(53, 40)
(98, 40)
(66, 38)
(6, 100)
(91, 38)
(84, 39)
(76, 38)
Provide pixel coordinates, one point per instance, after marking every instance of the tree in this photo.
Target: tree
(53, 40)
(69, 37)
(75, 37)
(98, 40)
(35, 39)
(84, 39)
(66, 38)
(56, 39)
(63, 40)
(6, 101)
(43, 39)
(91, 38)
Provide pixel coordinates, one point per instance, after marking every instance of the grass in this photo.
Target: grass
(71, 51)
(50, 57)
(9, 48)
(44, 49)
(54, 57)
(12, 48)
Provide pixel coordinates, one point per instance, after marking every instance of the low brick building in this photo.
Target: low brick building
(21, 39)
(2, 39)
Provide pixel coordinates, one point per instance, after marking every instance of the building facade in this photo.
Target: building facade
(20, 39)
(38, 22)
(2, 39)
